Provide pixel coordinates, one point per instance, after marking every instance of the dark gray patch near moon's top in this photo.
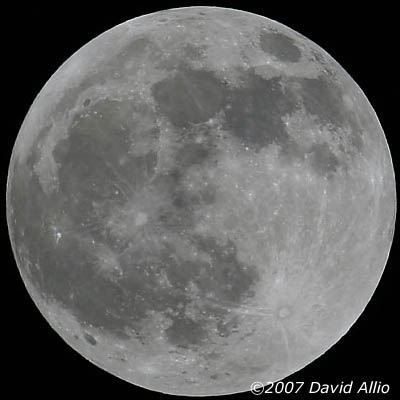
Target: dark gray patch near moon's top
(189, 96)
(324, 99)
(254, 112)
(280, 46)
(135, 48)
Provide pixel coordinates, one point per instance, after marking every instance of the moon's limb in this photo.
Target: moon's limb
(199, 199)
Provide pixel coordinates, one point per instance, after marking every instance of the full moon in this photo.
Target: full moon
(201, 198)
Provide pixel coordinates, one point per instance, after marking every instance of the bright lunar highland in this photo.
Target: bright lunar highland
(201, 198)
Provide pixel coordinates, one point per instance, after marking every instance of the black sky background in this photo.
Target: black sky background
(38, 38)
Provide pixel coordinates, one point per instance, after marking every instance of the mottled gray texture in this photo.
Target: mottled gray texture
(189, 96)
(199, 199)
(280, 46)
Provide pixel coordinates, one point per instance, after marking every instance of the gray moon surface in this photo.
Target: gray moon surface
(201, 198)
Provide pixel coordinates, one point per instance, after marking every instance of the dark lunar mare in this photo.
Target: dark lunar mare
(92, 183)
(280, 46)
(323, 98)
(254, 111)
(189, 96)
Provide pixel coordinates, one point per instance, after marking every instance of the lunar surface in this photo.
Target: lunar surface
(201, 198)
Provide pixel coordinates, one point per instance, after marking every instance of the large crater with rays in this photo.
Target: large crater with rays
(201, 198)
